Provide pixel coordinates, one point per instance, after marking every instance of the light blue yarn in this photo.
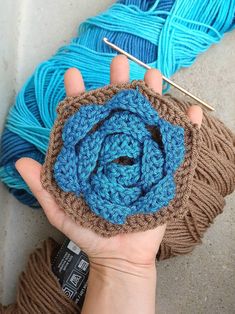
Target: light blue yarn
(167, 34)
(87, 164)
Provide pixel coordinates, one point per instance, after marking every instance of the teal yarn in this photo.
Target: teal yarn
(166, 34)
(109, 157)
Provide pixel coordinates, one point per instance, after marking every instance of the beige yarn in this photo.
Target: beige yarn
(214, 178)
(38, 290)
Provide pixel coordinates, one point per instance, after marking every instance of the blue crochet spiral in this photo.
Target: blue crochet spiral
(119, 169)
(166, 34)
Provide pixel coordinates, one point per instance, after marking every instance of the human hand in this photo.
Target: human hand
(124, 249)
(122, 274)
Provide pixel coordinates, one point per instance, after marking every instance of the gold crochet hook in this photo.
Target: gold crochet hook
(129, 56)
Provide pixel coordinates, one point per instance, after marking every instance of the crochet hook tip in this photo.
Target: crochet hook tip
(131, 57)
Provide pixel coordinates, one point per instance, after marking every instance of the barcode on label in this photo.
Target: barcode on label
(73, 247)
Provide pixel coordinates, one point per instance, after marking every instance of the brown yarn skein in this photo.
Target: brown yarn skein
(214, 179)
(39, 291)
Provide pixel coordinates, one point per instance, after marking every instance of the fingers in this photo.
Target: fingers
(119, 70)
(73, 82)
(195, 115)
(153, 79)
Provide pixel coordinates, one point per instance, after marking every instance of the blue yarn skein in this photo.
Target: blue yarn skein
(167, 34)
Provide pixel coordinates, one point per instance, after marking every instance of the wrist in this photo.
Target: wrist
(116, 267)
(117, 285)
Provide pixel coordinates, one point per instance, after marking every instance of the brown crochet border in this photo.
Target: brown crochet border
(77, 208)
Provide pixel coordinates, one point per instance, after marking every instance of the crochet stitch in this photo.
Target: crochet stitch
(78, 207)
(98, 144)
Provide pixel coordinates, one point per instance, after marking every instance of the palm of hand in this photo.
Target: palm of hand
(141, 246)
(138, 247)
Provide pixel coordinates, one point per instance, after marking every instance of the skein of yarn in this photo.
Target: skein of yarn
(38, 289)
(213, 180)
(166, 34)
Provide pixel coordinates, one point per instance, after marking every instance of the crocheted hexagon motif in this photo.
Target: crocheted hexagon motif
(121, 159)
(98, 143)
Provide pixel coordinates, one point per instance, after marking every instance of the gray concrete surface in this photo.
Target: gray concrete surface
(202, 282)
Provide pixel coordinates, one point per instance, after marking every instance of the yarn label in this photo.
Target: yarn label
(71, 267)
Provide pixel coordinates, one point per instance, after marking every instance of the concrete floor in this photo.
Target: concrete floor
(202, 282)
